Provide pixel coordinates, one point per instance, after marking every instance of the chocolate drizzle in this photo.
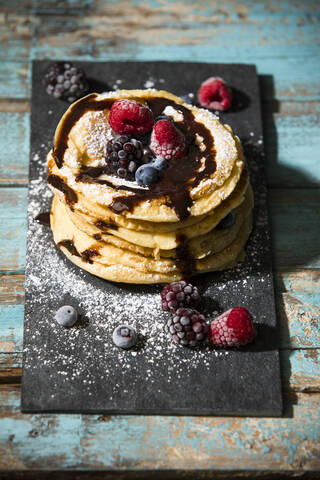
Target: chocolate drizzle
(70, 246)
(43, 218)
(104, 225)
(185, 261)
(178, 180)
(69, 194)
(86, 255)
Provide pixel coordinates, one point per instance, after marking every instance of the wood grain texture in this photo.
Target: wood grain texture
(193, 443)
(289, 163)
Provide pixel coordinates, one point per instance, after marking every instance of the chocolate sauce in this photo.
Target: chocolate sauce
(97, 236)
(177, 181)
(69, 245)
(86, 255)
(104, 226)
(43, 218)
(69, 194)
(185, 261)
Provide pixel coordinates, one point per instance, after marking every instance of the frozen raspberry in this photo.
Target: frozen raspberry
(233, 328)
(179, 294)
(167, 141)
(129, 116)
(187, 327)
(214, 94)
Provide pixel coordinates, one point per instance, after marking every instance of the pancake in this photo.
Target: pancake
(121, 265)
(124, 232)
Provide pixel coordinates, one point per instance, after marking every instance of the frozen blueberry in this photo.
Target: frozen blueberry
(159, 163)
(188, 98)
(124, 336)
(66, 316)
(147, 174)
(163, 117)
(226, 222)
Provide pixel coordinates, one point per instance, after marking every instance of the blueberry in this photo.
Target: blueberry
(66, 316)
(159, 163)
(124, 336)
(147, 174)
(188, 98)
(163, 117)
(226, 222)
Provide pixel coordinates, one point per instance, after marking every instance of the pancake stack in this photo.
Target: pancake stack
(173, 229)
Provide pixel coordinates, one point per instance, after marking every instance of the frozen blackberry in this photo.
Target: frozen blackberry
(124, 156)
(187, 327)
(179, 294)
(65, 81)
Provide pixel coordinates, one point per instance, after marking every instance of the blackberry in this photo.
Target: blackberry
(187, 327)
(124, 156)
(179, 294)
(65, 81)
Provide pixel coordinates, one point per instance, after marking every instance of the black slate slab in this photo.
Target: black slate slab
(79, 369)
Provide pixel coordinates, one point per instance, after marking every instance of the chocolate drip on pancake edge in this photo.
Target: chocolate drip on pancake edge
(43, 218)
(182, 175)
(86, 255)
(186, 262)
(58, 183)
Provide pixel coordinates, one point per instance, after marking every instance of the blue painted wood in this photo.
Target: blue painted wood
(57, 442)
(14, 159)
(13, 227)
(14, 79)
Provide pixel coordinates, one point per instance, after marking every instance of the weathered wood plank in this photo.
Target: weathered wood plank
(11, 290)
(299, 369)
(295, 221)
(16, 35)
(297, 305)
(14, 158)
(154, 443)
(289, 163)
(14, 79)
(291, 160)
(13, 225)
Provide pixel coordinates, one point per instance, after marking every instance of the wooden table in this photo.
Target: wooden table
(282, 39)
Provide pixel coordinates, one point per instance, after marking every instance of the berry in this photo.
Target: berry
(66, 316)
(226, 222)
(233, 328)
(124, 336)
(147, 174)
(187, 327)
(159, 163)
(188, 98)
(179, 294)
(129, 116)
(63, 80)
(163, 117)
(166, 140)
(214, 94)
(124, 156)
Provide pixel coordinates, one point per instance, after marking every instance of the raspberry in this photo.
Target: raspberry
(179, 294)
(124, 156)
(63, 80)
(187, 327)
(167, 141)
(233, 328)
(214, 94)
(129, 116)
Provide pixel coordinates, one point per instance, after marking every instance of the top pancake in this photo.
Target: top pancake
(192, 186)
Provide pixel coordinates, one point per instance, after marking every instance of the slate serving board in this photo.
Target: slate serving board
(79, 369)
